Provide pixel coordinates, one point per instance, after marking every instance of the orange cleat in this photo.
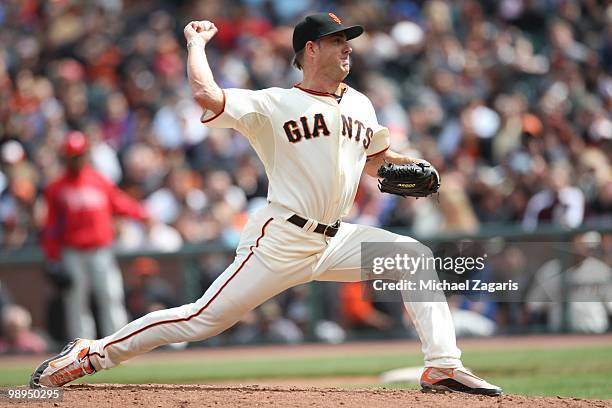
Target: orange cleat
(70, 364)
(456, 380)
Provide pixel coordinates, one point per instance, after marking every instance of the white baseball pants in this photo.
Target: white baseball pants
(274, 255)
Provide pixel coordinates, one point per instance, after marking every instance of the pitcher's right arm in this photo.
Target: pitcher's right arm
(205, 90)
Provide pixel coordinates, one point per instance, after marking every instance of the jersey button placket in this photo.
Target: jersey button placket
(341, 141)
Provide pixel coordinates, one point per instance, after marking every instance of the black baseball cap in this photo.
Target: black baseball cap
(319, 25)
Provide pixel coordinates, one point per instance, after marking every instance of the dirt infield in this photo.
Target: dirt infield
(162, 396)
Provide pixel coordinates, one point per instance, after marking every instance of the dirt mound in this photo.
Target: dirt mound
(162, 396)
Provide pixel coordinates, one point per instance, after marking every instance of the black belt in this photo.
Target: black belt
(327, 230)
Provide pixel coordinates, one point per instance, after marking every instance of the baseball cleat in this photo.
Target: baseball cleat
(456, 380)
(71, 363)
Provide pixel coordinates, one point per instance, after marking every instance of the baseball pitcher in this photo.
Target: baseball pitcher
(315, 140)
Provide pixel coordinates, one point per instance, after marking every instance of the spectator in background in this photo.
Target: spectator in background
(588, 290)
(146, 290)
(5, 298)
(18, 202)
(267, 324)
(471, 318)
(359, 312)
(560, 203)
(78, 233)
(17, 335)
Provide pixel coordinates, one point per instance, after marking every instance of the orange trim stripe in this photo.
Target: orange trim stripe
(185, 319)
(318, 93)
(376, 154)
(425, 375)
(218, 114)
(54, 363)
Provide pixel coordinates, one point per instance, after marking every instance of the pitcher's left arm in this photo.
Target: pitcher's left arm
(373, 163)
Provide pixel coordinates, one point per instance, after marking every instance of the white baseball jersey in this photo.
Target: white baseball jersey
(313, 148)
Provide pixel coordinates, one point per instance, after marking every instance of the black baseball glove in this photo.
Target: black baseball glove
(408, 180)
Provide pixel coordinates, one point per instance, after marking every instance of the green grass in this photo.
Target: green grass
(574, 372)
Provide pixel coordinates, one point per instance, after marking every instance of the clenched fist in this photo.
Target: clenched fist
(200, 31)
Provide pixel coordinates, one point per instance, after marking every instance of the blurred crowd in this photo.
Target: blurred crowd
(510, 99)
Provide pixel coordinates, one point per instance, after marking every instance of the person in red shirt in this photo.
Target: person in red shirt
(78, 233)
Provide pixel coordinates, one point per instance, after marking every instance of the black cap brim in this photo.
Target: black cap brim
(351, 32)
